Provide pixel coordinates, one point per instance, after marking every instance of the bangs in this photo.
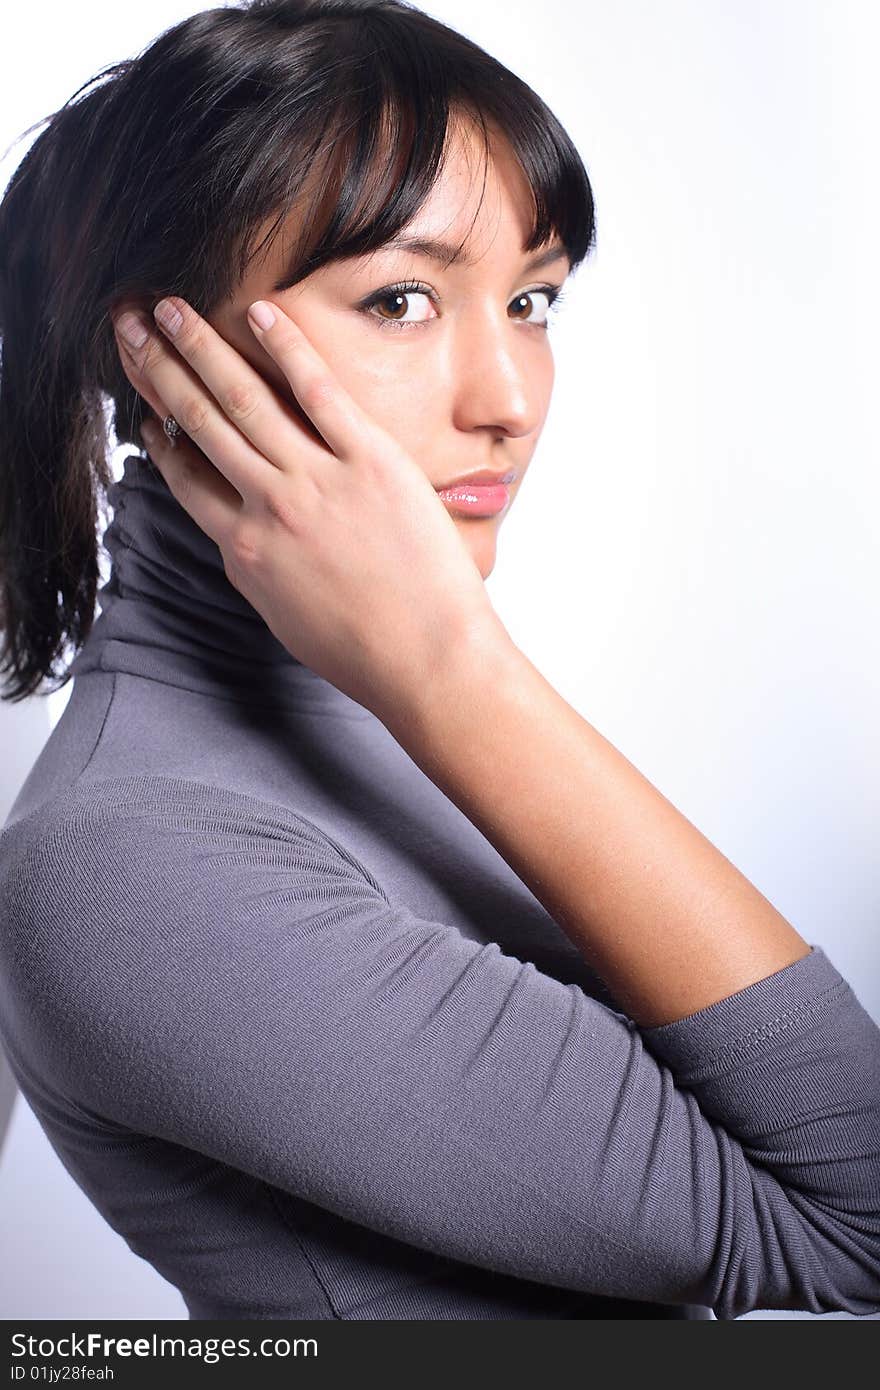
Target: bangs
(391, 102)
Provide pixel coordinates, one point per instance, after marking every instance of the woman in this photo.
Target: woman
(350, 972)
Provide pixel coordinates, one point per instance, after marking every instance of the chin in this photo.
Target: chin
(481, 546)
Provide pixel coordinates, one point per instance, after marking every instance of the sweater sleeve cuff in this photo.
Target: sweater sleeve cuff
(747, 1023)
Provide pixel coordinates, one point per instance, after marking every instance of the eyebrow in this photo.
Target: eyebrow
(449, 254)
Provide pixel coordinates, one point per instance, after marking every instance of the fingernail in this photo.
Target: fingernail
(261, 314)
(169, 316)
(133, 329)
(150, 434)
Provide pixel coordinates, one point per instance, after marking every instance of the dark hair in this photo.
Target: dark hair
(156, 181)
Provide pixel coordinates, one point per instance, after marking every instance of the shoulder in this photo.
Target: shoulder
(165, 811)
(144, 913)
(142, 847)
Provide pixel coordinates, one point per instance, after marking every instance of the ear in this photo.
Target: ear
(142, 386)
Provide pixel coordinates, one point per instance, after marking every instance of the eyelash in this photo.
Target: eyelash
(554, 294)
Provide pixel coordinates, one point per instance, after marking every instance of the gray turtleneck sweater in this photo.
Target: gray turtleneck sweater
(312, 1048)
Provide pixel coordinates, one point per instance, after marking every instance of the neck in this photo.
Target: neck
(168, 611)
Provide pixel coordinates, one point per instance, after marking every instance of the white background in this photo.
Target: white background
(693, 558)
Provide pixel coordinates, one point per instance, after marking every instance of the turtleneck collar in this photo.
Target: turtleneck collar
(168, 611)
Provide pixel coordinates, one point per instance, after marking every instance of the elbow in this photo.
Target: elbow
(812, 1262)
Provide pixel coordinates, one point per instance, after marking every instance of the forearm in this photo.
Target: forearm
(661, 914)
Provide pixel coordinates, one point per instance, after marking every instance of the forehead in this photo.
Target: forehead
(480, 202)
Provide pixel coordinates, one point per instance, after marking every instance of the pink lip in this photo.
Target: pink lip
(478, 494)
(485, 478)
(475, 501)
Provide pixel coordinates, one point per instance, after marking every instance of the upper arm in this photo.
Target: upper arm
(233, 982)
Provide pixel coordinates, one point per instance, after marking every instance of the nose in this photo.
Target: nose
(503, 377)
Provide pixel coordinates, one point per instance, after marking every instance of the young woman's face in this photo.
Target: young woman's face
(459, 371)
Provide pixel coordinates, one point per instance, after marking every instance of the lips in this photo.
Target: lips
(485, 478)
(478, 495)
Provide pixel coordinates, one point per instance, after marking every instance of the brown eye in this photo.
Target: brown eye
(400, 307)
(525, 300)
(398, 303)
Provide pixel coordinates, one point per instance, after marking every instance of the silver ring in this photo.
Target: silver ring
(171, 428)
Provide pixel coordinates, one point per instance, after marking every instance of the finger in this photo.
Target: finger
(194, 482)
(140, 383)
(341, 421)
(245, 397)
(173, 384)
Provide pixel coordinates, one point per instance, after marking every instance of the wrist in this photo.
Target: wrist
(456, 695)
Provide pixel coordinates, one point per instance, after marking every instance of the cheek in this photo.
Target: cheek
(388, 380)
(390, 389)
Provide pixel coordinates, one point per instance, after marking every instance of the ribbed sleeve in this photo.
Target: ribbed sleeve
(216, 971)
(790, 1067)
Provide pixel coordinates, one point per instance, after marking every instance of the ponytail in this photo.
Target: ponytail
(53, 449)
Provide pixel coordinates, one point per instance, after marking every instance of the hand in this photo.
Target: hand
(336, 537)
